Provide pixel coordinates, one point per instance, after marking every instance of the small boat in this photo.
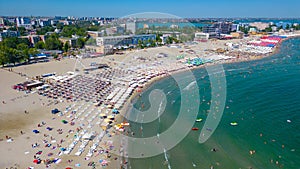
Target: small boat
(234, 123)
(198, 120)
(195, 128)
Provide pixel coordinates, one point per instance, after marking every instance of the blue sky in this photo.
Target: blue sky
(119, 8)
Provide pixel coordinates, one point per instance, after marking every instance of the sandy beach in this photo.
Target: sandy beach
(21, 112)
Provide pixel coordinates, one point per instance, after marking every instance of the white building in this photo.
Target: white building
(200, 36)
(131, 27)
(113, 40)
(108, 42)
(44, 22)
(23, 22)
(1, 22)
(164, 38)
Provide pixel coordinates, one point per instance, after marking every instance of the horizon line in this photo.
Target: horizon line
(248, 17)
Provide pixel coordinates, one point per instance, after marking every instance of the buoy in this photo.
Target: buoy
(234, 123)
(198, 120)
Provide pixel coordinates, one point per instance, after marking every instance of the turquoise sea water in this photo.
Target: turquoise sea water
(261, 96)
(168, 24)
(187, 24)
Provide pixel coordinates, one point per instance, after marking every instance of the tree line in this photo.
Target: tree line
(16, 50)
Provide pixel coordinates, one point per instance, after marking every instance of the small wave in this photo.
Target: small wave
(232, 70)
(190, 85)
(166, 158)
(159, 111)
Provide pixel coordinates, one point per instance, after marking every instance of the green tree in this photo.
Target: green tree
(12, 28)
(22, 46)
(22, 31)
(55, 56)
(4, 55)
(80, 43)
(169, 40)
(68, 31)
(59, 25)
(10, 42)
(93, 28)
(152, 43)
(44, 30)
(268, 29)
(244, 29)
(145, 43)
(66, 47)
(13, 56)
(23, 40)
(140, 43)
(287, 27)
(53, 43)
(14, 50)
(40, 45)
(296, 26)
(32, 52)
(81, 32)
(23, 51)
(91, 41)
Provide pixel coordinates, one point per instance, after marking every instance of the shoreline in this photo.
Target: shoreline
(230, 61)
(134, 96)
(40, 109)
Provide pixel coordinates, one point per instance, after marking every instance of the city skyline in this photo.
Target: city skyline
(189, 8)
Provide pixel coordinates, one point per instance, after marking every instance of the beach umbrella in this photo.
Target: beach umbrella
(115, 111)
(36, 161)
(62, 149)
(57, 160)
(35, 131)
(104, 162)
(49, 128)
(64, 121)
(77, 165)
